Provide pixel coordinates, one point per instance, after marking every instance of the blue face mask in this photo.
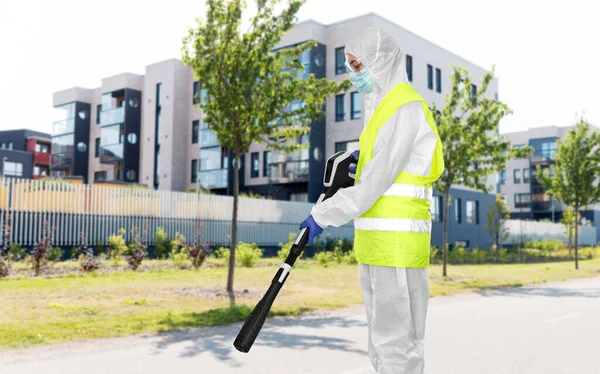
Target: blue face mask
(362, 81)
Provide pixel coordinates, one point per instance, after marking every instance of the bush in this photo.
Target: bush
(138, 251)
(323, 258)
(41, 252)
(116, 245)
(350, 258)
(163, 245)
(286, 247)
(55, 254)
(88, 261)
(178, 254)
(247, 254)
(16, 252)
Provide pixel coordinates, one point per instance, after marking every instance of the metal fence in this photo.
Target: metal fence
(101, 211)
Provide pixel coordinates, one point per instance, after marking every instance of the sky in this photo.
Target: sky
(547, 53)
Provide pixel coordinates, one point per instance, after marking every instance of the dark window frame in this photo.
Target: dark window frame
(409, 68)
(340, 67)
(429, 76)
(458, 210)
(340, 117)
(194, 170)
(438, 80)
(355, 114)
(266, 163)
(195, 131)
(254, 173)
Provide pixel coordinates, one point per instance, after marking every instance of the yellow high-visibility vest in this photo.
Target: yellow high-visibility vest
(396, 231)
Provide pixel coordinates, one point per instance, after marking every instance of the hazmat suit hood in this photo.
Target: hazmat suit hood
(384, 60)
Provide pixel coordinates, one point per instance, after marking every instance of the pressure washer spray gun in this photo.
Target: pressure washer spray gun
(337, 176)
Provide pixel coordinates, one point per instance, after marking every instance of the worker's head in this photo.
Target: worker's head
(374, 61)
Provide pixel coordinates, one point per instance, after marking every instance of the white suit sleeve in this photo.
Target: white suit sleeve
(392, 151)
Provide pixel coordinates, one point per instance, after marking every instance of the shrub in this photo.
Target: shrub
(350, 258)
(178, 253)
(323, 258)
(551, 245)
(286, 247)
(199, 249)
(248, 254)
(117, 245)
(251, 195)
(87, 260)
(16, 252)
(5, 248)
(39, 256)
(138, 251)
(163, 245)
(55, 254)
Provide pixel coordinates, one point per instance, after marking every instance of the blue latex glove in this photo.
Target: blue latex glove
(352, 169)
(313, 229)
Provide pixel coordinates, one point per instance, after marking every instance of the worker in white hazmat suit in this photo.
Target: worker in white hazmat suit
(400, 156)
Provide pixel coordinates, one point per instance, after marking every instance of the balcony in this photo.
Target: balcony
(112, 116)
(212, 179)
(62, 161)
(63, 127)
(111, 154)
(41, 158)
(543, 158)
(542, 206)
(288, 172)
(208, 138)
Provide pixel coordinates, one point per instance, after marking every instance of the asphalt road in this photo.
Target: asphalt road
(552, 328)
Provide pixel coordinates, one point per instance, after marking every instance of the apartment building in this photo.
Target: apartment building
(522, 191)
(25, 154)
(148, 129)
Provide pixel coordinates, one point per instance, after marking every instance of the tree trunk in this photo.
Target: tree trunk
(445, 238)
(236, 161)
(576, 241)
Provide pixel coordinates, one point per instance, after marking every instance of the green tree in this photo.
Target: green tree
(255, 92)
(473, 148)
(575, 173)
(497, 215)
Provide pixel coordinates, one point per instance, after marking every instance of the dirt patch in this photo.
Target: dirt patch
(218, 293)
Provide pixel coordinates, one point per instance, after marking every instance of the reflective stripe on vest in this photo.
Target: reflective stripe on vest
(393, 224)
(396, 230)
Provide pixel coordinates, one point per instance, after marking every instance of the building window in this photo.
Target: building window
(473, 92)
(430, 77)
(346, 146)
(97, 148)
(98, 113)
(340, 58)
(42, 148)
(503, 177)
(522, 200)
(436, 209)
(526, 176)
(99, 176)
(266, 162)
(548, 150)
(409, 69)
(458, 210)
(194, 171)
(355, 105)
(517, 175)
(13, 169)
(340, 107)
(438, 80)
(195, 92)
(496, 96)
(299, 196)
(10, 145)
(254, 171)
(473, 212)
(195, 131)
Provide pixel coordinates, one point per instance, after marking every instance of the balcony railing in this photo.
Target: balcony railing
(208, 138)
(112, 116)
(111, 154)
(542, 206)
(212, 179)
(41, 158)
(288, 172)
(63, 127)
(62, 160)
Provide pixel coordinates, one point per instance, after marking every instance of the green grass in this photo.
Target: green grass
(76, 307)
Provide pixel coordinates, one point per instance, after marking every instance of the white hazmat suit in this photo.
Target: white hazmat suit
(396, 299)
